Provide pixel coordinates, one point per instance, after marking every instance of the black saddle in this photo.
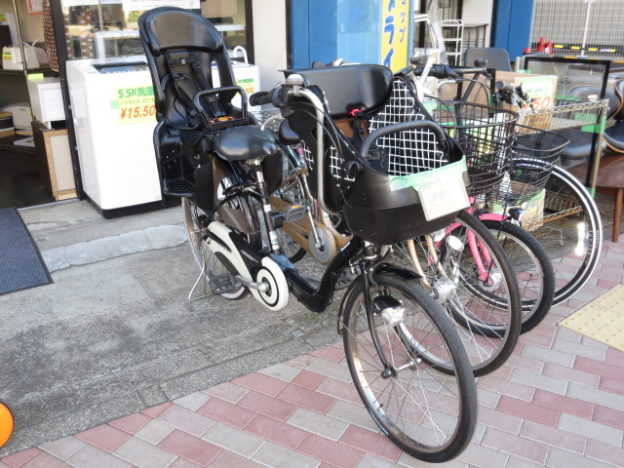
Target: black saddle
(244, 143)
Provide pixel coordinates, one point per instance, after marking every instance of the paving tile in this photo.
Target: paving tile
(352, 414)
(331, 353)
(266, 405)
(406, 460)
(131, 424)
(598, 397)
(587, 341)
(558, 458)
(483, 457)
(194, 401)
(539, 381)
(526, 363)
(615, 357)
(281, 457)
(316, 423)
(563, 404)
(227, 391)
(16, 460)
(261, 383)
(609, 416)
(300, 362)
(520, 447)
(572, 375)
(522, 409)
(590, 429)
(548, 355)
(569, 335)
(276, 431)
(308, 379)
(536, 339)
(371, 442)
(604, 452)
(498, 420)
(155, 431)
(186, 420)
(487, 397)
(576, 349)
(613, 385)
(104, 437)
(189, 447)
(515, 462)
(227, 459)
(233, 439)
(329, 369)
(598, 367)
(156, 410)
(339, 389)
(144, 455)
(306, 398)
(90, 457)
(504, 386)
(63, 448)
(371, 461)
(44, 460)
(330, 452)
(553, 436)
(281, 371)
(184, 463)
(227, 412)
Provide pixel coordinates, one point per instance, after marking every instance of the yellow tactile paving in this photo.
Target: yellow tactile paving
(602, 319)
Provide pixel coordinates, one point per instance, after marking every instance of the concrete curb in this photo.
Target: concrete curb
(82, 253)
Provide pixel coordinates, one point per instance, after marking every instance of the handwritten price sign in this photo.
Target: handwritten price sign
(134, 105)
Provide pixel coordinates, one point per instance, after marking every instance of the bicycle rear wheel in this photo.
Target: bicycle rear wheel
(570, 231)
(428, 413)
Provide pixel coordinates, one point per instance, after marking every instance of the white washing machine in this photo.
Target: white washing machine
(114, 118)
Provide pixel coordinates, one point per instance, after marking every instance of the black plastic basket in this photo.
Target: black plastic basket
(534, 155)
(485, 135)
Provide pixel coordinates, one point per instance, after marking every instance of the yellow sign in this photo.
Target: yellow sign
(134, 104)
(395, 18)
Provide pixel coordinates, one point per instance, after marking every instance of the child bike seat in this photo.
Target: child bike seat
(351, 87)
(243, 143)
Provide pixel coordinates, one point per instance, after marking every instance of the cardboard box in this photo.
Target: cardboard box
(219, 9)
(447, 90)
(541, 89)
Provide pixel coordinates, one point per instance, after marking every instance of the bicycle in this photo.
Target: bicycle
(397, 340)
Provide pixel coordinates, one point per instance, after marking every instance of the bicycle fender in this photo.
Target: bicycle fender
(343, 303)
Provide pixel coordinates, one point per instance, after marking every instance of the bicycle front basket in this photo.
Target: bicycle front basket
(485, 135)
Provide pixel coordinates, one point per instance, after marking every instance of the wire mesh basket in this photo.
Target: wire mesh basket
(485, 135)
(535, 153)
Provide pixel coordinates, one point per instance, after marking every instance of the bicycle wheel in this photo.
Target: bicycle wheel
(429, 414)
(570, 232)
(532, 267)
(468, 273)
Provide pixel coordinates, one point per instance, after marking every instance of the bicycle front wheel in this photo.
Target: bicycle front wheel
(428, 413)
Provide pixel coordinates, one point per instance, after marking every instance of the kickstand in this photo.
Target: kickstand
(202, 276)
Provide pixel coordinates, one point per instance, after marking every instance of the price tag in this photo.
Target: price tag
(442, 191)
(134, 104)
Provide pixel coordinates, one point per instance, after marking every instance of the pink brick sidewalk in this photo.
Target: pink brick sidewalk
(558, 402)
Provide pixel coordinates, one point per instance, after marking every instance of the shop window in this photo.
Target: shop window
(229, 17)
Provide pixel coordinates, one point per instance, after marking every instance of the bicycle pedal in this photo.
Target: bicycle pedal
(222, 284)
(295, 212)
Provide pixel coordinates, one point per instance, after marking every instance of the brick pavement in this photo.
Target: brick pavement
(557, 402)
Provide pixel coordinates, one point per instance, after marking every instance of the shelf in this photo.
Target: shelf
(7, 144)
(21, 72)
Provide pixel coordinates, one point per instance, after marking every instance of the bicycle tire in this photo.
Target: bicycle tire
(570, 231)
(488, 317)
(459, 398)
(525, 252)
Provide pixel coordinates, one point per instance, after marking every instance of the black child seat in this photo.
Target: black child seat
(196, 119)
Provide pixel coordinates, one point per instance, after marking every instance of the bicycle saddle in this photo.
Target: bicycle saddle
(244, 143)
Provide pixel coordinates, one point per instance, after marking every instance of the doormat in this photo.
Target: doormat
(602, 319)
(21, 265)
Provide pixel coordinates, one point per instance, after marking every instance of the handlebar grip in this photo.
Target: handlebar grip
(260, 98)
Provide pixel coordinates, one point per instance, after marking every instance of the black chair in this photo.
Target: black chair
(181, 48)
(496, 57)
(614, 135)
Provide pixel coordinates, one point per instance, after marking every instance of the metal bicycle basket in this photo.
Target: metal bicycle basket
(534, 155)
(485, 135)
